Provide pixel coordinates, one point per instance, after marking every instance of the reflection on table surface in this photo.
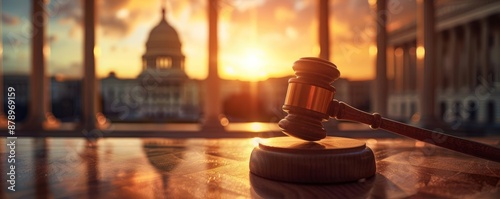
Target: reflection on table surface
(218, 168)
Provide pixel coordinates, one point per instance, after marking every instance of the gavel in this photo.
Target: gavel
(310, 101)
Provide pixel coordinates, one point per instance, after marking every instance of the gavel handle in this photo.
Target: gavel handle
(343, 111)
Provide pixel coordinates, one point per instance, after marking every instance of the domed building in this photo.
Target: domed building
(163, 48)
(162, 92)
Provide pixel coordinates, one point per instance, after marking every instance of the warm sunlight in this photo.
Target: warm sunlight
(253, 64)
(122, 13)
(372, 50)
(249, 64)
(258, 39)
(420, 52)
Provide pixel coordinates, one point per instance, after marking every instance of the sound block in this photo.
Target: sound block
(330, 160)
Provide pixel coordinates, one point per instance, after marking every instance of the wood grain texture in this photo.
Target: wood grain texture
(159, 168)
(330, 160)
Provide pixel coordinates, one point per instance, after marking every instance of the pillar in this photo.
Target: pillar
(466, 64)
(496, 50)
(406, 68)
(39, 116)
(398, 67)
(483, 52)
(452, 58)
(425, 67)
(380, 90)
(212, 83)
(439, 61)
(412, 49)
(324, 29)
(89, 94)
(391, 70)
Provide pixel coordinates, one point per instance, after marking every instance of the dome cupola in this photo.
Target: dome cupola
(163, 47)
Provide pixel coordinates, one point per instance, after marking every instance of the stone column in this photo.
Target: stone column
(391, 70)
(452, 57)
(439, 62)
(212, 83)
(425, 69)
(466, 63)
(89, 94)
(380, 90)
(496, 50)
(406, 68)
(398, 65)
(413, 66)
(39, 116)
(483, 52)
(324, 30)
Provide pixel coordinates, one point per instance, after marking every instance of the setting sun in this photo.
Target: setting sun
(248, 64)
(122, 13)
(257, 39)
(254, 64)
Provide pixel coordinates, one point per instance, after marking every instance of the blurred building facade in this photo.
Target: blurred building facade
(162, 91)
(467, 65)
(65, 96)
(121, 100)
(21, 84)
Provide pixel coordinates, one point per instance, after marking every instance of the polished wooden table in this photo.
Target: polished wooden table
(219, 168)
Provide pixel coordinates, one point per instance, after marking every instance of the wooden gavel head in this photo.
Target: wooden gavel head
(308, 98)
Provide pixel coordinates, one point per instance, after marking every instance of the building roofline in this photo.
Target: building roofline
(446, 18)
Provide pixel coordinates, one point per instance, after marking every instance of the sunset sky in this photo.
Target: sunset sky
(258, 38)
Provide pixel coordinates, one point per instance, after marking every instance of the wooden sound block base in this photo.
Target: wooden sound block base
(330, 160)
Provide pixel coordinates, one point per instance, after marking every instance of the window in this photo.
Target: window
(442, 109)
(472, 109)
(163, 62)
(491, 112)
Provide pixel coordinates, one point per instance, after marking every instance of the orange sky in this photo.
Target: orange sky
(258, 38)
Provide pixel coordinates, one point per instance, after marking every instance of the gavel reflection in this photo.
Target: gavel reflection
(310, 100)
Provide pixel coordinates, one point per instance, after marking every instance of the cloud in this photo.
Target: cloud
(286, 29)
(110, 22)
(73, 69)
(401, 13)
(9, 19)
(52, 38)
(243, 5)
(291, 23)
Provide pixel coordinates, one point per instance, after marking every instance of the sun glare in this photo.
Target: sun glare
(420, 52)
(252, 58)
(257, 127)
(122, 13)
(372, 50)
(247, 64)
(253, 65)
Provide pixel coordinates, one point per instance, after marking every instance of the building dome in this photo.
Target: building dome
(163, 48)
(163, 40)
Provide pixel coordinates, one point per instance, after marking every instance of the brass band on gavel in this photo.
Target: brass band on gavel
(310, 97)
